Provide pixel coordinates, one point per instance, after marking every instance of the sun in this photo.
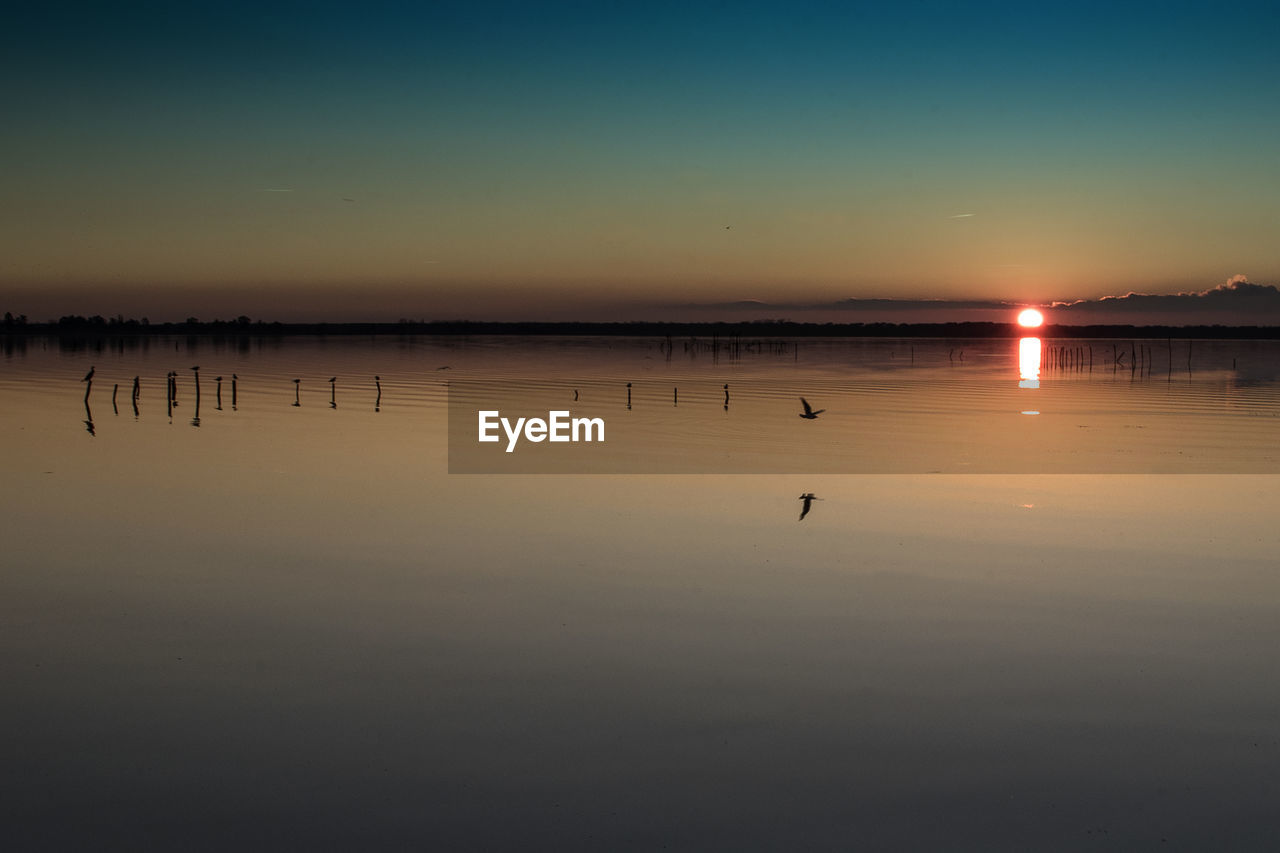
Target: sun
(1030, 318)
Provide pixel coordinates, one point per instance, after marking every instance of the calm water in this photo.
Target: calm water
(290, 627)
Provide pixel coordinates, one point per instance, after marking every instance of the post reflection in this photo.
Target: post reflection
(1029, 363)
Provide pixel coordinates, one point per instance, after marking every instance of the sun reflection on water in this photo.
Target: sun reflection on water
(1029, 363)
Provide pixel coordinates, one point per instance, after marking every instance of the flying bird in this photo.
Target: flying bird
(809, 413)
(808, 498)
(89, 376)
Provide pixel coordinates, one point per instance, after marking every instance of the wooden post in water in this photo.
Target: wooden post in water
(628, 395)
(296, 400)
(234, 378)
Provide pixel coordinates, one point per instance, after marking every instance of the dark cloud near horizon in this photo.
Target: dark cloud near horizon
(856, 304)
(1235, 302)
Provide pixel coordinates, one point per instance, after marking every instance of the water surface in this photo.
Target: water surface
(291, 627)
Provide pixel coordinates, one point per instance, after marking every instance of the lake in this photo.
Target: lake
(1026, 609)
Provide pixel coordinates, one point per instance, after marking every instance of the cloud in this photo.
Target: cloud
(854, 310)
(1237, 301)
(962, 216)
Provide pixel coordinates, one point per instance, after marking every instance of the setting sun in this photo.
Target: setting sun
(1030, 318)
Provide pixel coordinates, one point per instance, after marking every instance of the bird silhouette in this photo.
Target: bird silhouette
(808, 498)
(809, 413)
(88, 377)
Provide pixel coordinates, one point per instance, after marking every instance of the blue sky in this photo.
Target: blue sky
(493, 159)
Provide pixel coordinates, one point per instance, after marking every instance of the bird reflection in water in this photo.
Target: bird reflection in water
(88, 417)
(808, 498)
(809, 412)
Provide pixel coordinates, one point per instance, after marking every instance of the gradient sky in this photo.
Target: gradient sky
(493, 161)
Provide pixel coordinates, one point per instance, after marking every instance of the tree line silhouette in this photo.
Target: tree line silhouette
(77, 325)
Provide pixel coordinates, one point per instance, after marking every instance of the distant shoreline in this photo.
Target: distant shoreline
(79, 327)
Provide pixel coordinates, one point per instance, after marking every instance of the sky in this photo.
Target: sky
(304, 161)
